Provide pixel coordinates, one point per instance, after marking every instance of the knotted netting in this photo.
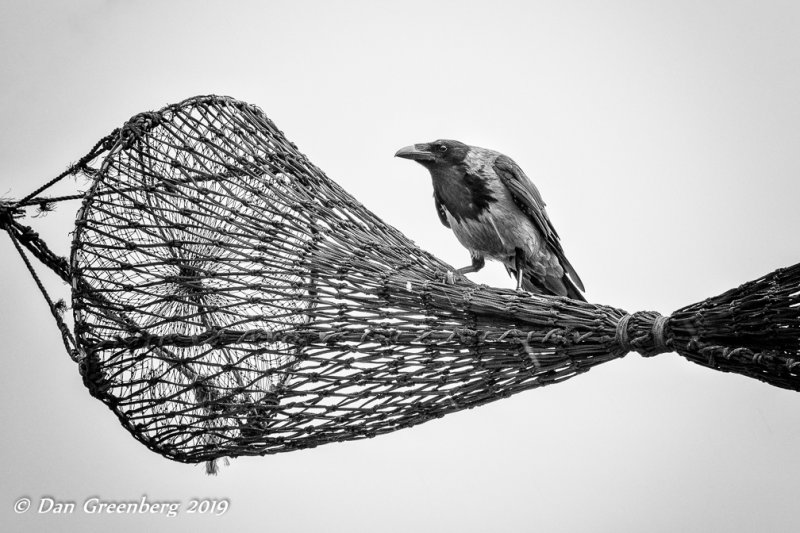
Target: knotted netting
(230, 299)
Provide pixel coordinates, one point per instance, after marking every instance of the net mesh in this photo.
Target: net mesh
(230, 299)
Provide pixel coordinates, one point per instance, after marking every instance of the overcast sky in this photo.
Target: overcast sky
(663, 136)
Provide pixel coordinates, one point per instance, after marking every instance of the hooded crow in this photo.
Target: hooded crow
(495, 211)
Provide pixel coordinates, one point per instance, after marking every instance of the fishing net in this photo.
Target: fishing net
(230, 299)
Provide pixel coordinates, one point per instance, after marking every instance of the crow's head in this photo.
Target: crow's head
(437, 154)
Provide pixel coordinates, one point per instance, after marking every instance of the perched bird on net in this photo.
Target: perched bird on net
(230, 299)
(496, 211)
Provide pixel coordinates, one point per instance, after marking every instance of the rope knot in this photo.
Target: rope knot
(8, 212)
(645, 332)
(137, 126)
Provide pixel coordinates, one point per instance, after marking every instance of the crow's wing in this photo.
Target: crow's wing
(440, 210)
(528, 199)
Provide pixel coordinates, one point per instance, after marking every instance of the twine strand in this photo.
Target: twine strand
(648, 335)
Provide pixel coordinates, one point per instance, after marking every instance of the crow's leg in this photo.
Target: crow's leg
(477, 263)
(519, 264)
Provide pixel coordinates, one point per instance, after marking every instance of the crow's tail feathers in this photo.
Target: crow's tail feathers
(550, 285)
(572, 289)
(574, 279)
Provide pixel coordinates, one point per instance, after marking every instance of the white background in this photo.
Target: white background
(664, 137)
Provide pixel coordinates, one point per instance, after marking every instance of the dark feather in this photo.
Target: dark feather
(572, 290)
(460, 201)
(440, 210)
(528, 199)
(548, 285)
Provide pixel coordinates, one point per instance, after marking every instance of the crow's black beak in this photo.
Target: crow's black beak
(416, 152)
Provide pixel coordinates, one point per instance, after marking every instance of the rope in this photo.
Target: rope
(20, 234)
(659, 326)
(193, 180)
(621, 336)
(30, 239)
(66, 335)
(648, 337)
(48, 199)
(102, 145)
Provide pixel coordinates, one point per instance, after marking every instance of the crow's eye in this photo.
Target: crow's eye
(441, 148)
